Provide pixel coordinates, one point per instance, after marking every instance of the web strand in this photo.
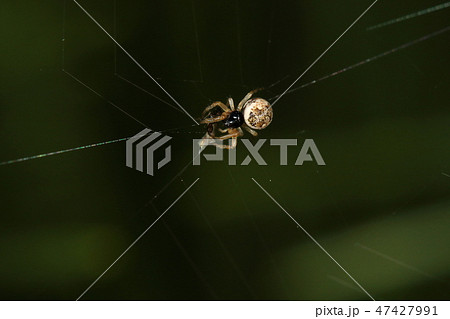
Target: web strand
(368, 60)
(147, 92)
(224, 248)
(137, 239)
(187, 256)
(239, 42)
(78, 148)
(395, 261)
(23, 159)
(105, 99)
(115, 35)
(134, 60)
(314, 240)
(63, 36)
(259, 233)
(410, 16)
(324, 52)
(197, 41)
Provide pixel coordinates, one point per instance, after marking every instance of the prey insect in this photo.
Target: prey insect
(251, 114)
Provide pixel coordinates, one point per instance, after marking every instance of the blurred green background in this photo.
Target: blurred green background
(380, 207)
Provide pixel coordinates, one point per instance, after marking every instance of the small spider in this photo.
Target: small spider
(250, 115)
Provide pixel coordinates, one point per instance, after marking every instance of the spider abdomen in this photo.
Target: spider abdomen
(234, 120)
(258, 113)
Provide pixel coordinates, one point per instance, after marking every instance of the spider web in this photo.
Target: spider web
(379, 206)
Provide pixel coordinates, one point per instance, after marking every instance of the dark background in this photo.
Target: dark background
(380, 207)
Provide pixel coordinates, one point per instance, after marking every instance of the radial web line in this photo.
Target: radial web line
(172, 180)
(371, 59)
(269, 42)
(343, 283)
(136, 240)
(23, 159)
(224, 248)
(186, 254)
(314, 240)
(115, 35)
(259, 233)
(105, 99)
(410, 16)
(197, 41)
(324, 52)
(239, 41)
(147, 92)
(395, 261)
(63, 36)
(133, 59)
(126, 80)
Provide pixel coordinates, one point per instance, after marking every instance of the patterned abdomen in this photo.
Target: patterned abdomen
(258, 113)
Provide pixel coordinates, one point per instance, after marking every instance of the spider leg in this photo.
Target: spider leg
(246, 98)
(211, 130)
(231, 103)
(213, 105)
(248, 129)
(219, 118)
(231, 133)
(227, 147)
(206, 140)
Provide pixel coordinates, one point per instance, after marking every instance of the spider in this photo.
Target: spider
(251, 114)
